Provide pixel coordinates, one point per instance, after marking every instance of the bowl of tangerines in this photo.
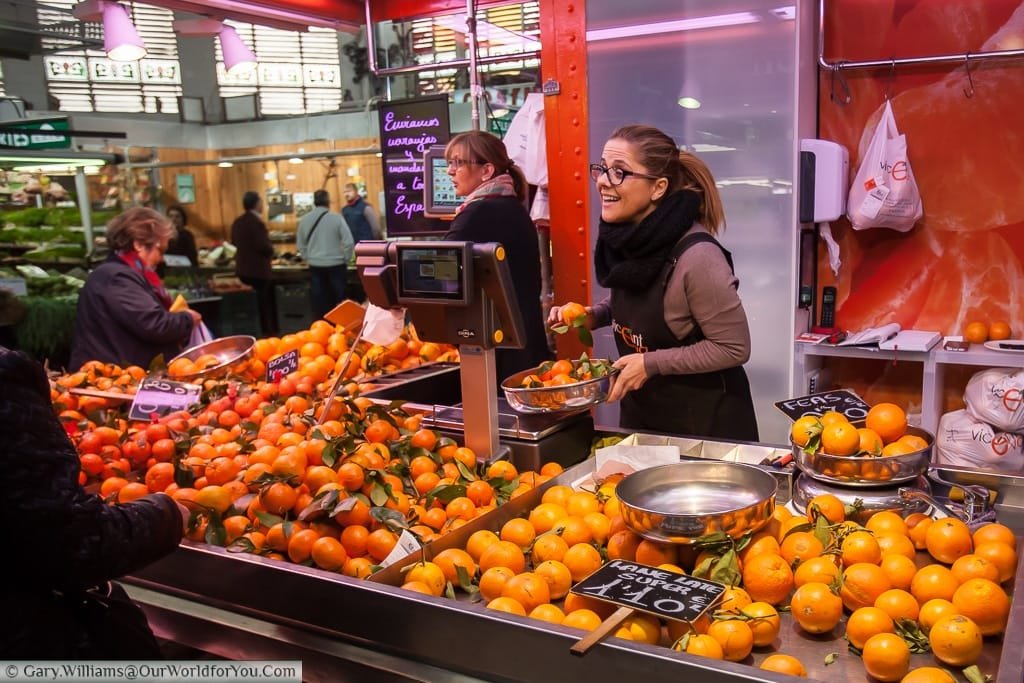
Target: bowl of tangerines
(881, 450)
(211, 359)
(560, 385)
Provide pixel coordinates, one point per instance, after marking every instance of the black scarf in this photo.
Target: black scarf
(630, 256)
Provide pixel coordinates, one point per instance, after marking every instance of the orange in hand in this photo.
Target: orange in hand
(571, 311)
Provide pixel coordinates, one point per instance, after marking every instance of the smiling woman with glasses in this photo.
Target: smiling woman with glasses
(678, 322)
(123, 311)
(494, 210)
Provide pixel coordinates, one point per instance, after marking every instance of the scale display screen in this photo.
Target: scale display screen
(439, 197)
(434, 274)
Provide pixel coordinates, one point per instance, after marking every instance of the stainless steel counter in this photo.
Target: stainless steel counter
(244, 607)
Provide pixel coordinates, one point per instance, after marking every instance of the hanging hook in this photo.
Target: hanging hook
(890, 84)
(837, 73)
(969, 90)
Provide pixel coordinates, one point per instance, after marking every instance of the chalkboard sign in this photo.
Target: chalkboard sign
(649, 589)
(160, 397)
(281, 366)
(407, 129)
(842, 401)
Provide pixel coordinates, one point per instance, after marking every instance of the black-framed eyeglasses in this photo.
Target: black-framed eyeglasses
(459, 163)
(616, 176)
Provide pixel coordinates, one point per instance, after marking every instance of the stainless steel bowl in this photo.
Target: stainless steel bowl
(553, 399)
(864, 471)
(230, 352)
(681, 502)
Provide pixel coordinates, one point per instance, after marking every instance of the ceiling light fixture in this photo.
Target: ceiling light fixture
(688, 102)
(237, 55)
(121, 40)
(225, 164)
(713, 21)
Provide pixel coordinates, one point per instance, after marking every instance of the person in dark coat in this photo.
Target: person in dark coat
(184, 242)
(361, 217)
(494, 211)
(66, 544)
(252, 260)
(123, 311)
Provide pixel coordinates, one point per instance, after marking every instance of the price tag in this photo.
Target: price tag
(842, 401)
(407, 544)
(177, 261)
(280, 367)
(161, 397)
(649, 589)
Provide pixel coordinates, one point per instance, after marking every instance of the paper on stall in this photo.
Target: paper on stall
(383, 325)
(825, 231)
(627, 457)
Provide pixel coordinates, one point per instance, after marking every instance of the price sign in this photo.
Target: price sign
(160, 397)
(842, 401)
(407, 129)
(663, 593)
(281, 366)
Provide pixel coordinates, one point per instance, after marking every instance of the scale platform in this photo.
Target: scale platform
(533, 439)
(511, 424)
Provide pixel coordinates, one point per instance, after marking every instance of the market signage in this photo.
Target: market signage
(653, 590)
(159, 397)
(281, 366)
(35, 134)
(407, 129)
(842, 401)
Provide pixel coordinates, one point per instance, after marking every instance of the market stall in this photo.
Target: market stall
(230, 603)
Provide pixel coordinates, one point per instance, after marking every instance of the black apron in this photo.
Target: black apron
(710, 404)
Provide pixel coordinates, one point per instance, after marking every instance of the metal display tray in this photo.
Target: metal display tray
(336, 621)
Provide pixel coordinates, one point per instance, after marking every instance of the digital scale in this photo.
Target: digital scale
(461, 293)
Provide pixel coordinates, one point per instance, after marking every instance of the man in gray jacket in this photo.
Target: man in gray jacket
(325, 241)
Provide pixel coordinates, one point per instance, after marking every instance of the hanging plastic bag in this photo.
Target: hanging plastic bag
(884, 193)
(200, 335)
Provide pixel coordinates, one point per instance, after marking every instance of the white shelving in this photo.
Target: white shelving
(808, 358)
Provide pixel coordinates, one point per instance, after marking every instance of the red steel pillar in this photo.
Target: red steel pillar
(564, 67)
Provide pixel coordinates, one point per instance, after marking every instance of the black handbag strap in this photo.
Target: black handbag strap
(316, 223)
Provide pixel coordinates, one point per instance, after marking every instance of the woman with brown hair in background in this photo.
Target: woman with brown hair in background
(494, 210)
(123, 311)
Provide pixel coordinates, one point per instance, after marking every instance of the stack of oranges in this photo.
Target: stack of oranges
(884, 433)
(978, 332)
(835, 577)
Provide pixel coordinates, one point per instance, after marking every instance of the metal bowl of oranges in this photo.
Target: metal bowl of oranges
(870, 470)
(682, 502)
(580, 383)
(211, 359)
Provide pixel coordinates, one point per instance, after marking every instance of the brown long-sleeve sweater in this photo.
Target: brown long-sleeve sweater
(702, 290)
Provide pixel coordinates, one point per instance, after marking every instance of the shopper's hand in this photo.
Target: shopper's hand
(196, 316)
(632, 375)
(185, 515)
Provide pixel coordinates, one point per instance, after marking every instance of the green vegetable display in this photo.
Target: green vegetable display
(48, 327)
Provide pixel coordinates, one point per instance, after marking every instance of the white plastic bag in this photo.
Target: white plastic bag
(525, 140)
(884, 193)
(963, 441)
(200, 335)
(996, 396)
